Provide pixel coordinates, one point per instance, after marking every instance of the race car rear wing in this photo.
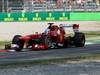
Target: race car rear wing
(75, 27)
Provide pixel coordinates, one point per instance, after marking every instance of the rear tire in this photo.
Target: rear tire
(19, 42)
(79, 39)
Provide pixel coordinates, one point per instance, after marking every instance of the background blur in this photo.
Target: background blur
(48, 5)
(29, 16)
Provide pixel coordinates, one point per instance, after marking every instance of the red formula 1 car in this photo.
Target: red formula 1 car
(53, 37)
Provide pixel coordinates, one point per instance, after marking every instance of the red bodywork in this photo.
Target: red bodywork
(52, 33)
(39, 47)
(56, 33)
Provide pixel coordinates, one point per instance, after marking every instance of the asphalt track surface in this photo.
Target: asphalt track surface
(28, 56)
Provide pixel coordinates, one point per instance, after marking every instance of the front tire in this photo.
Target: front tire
(18, 42)
(79, 39)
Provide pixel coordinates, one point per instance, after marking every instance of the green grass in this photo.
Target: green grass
(87, 34)
(92, 34)
(94, 41)
(2, 43)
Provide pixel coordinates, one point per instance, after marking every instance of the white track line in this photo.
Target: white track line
(88, 43)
